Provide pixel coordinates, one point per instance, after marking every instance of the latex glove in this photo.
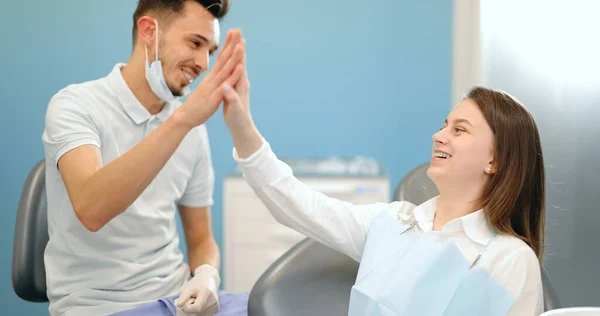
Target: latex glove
(199, 296)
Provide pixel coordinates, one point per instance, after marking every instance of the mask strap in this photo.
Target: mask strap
(156, 22)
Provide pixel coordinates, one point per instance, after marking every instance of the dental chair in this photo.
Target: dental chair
(312, 279)
(30, 238)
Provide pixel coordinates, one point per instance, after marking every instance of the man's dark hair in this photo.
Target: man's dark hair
(170, 9)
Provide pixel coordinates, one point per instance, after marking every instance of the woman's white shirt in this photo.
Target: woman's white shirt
(344, 226)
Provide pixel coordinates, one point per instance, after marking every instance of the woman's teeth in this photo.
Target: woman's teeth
(441, 155)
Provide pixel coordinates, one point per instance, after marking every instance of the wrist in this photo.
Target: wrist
(243, 130)
(241, 126)
(181, 119)
(246, 141)
(209, 271)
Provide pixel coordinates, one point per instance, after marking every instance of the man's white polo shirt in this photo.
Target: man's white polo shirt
(135, 258)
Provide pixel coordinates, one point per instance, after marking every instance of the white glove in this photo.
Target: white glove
(199, 296)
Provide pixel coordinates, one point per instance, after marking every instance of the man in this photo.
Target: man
(122, 151)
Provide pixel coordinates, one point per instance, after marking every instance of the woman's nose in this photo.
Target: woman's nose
(440, 136)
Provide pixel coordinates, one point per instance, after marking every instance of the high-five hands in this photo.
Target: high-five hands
(227, 82)
(204, 101)
(236, 106)
(237, 116)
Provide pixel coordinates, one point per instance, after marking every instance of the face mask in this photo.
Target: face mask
(155, 77)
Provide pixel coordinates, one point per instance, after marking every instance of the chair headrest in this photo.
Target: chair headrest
(416, 187)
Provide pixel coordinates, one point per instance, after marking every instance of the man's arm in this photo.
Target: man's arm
(201, 245)
(99, 193)
(199, 295)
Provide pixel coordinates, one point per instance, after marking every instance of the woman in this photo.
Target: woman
(473, 250)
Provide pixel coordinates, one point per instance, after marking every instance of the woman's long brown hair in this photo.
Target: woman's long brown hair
(514, 198)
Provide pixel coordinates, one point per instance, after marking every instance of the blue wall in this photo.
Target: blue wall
(374, 78)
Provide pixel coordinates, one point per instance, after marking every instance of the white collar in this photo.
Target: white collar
(132, 106)
(474, 224)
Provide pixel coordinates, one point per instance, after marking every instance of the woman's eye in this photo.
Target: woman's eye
(196, 43)
(458, 129)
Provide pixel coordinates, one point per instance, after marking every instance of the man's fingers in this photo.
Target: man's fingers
(227, 92)
(193, 306)
(183, 298)
(218, 95)
(215, 86)
(241, 83)
(236, 77)
(233, 38)
(243, 43)
(179, 302)
(229, 67)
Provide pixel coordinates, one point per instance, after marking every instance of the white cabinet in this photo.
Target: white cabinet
(253, 239)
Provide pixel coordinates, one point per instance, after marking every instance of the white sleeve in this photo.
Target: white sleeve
(199, 191)
(521, 276)
(334, 223)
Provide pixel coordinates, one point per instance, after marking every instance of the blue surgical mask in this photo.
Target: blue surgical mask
(155, 76)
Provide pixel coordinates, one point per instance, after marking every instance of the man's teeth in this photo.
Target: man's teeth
(441, 155)
(189, 77)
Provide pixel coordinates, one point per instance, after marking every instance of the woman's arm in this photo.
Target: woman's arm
(337, 224)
